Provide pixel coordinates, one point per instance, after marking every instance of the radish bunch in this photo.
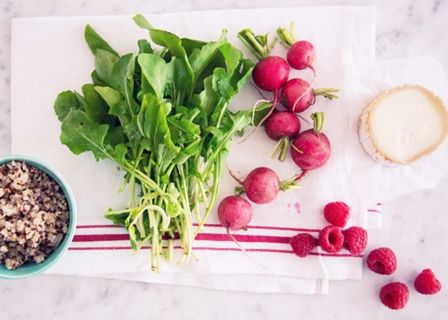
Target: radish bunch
(311, 148)
(261, 186)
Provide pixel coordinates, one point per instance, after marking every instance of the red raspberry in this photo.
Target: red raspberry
(302, 244)
(331, 239)
(337, 213)
(382, 261)
(355, 240)
(394, 295)
(427, 283)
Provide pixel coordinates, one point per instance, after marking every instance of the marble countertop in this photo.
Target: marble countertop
(404, 28)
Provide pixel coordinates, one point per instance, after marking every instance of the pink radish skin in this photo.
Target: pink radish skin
(261, 185)
(297, 95)
(310, 150)
(234, 213)
(282, 124)
(271, 73)
(301, 55)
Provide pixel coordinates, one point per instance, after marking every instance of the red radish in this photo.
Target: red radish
(234, 213)
(281, 126)
(311, 148)
(271, 73)
(298, 95)
(301, 54)
(262, 185)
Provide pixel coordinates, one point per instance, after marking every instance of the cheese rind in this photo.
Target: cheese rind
(403, 124)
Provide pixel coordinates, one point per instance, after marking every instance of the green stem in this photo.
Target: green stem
(284, 149)
(132, 180)
(131, 202)
(203, 193)
(143, 177)
(326, 92)
(113, 212)
(140, 213)
(239, 190)
(286, 36)
(154, 242)
(169, 250)
(178, 227)
(140, 225)
(188, 239)
(213, 197)
(291, 183)
(228, 136)
(249, 39)
(142, 243)
(281, 149)
(196, 197)
(221, 115)
(319, 120)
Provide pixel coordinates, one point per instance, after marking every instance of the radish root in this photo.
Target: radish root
(238, 180)
(274, 102)
(231, 236)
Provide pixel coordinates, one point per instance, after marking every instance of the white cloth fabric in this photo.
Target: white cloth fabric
(344, 39)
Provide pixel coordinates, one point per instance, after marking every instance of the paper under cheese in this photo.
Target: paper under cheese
(403, 124)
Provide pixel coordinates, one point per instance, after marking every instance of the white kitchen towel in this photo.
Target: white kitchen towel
(214, 253)
(239, 282)
(234, 282)
(344, 38)
(106, 237)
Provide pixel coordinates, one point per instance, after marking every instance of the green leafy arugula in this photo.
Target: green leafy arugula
(162, 115)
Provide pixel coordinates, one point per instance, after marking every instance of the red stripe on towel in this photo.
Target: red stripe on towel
(100, 237)
(112, 248)
(242, 238)
(200, 237)
(93, 226)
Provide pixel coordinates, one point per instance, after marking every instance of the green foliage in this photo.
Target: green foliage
(162, 116)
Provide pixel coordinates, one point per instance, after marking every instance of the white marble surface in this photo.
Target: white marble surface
(405, 28)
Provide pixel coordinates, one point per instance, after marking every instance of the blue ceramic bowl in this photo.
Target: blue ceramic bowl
(31, 269)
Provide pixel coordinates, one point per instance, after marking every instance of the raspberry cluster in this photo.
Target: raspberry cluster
(332, 238)
(395, 295)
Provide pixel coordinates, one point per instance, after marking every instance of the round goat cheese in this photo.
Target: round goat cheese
(403, 125)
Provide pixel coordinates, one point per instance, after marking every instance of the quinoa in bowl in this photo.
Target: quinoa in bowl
(35, 215)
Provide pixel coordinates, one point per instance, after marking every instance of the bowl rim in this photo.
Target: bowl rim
(68, 238)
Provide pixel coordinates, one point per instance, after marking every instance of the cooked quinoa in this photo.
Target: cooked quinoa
(33, 214)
